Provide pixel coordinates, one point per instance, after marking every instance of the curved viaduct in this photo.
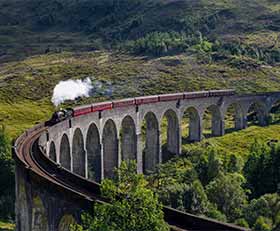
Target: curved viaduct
(57, 166)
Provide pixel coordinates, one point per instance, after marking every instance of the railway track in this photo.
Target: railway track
(29, 154)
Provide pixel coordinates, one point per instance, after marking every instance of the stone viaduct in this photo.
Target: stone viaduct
(57, 167)
(94, 144)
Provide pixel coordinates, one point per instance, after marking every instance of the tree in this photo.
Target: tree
(209, 166)
(6, 177)
(132, 207)
(263, 224)
(171, 182)
(227, 193)
(262, 169)
(196, 200)
(267, 206)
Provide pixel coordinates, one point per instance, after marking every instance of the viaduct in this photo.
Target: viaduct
(58, 166)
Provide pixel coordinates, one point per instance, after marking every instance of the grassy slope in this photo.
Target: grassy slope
(30, 26)
(239, 142)
(26, 86)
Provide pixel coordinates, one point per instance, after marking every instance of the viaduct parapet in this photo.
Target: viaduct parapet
(58, 166)
(93, 144)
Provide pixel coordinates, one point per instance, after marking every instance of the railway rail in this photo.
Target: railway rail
(27, 153)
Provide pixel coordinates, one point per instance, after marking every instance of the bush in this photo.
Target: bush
(267, 206)
(262, 169)
(159, 43)
(132, 206)
(262, 224)
(227, 193)
(7, 185)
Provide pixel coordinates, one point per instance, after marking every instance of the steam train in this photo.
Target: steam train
(64, 114)
(59, 116)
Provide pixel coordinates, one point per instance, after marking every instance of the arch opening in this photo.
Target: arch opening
(93, 148)
(191, 126)
(257, 115)
(170, 135)
(110, 148)
(128, 139)
(65, 157)
(65, 222)
(52, 152)
(39, 215)
(213, 123)
(78, 153)
(150, 139)
(234, 118)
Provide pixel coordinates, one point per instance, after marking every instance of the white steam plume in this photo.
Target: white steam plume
(71, 89)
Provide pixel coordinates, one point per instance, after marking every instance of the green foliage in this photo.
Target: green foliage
(159, 43)
(7, 181)
(196, 200)
(262, 224)
(132, 206)
(242, 222)
(227, 193)
(262, 169)
(267, 206)
(5, 226)
(214, 213)
(171, 182)
(234, 163)
(198, 183)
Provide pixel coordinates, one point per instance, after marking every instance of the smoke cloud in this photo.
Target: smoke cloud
(71, 90)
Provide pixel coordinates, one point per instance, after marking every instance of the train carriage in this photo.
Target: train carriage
(102, 106)
(226, 92)
(194, 95)
(171, 97)
(82, 110)
(123, 103)
(146, 99)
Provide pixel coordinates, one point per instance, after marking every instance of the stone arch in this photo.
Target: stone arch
(216, 121)
(78, 153)
(151, 143)
(257, 114)
(110, 148)
(128, 139)
(65, 156)
(52, 152)
(170, 123)
(193, 124)
(234, 118)
(65, 222)
(39, 215)
(93, 147)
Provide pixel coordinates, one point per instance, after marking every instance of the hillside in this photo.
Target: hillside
(30, 27)
(132, 48)
(26, 86)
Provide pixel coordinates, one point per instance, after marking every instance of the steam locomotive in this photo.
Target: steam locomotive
(59, 116)
(64, 114)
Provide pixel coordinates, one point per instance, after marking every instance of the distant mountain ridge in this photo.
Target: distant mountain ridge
(30, 27)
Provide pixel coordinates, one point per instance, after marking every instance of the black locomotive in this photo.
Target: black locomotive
(59, 116)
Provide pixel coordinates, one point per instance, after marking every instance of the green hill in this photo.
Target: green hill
(26, 86)
(35, 26)
(135, 47)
